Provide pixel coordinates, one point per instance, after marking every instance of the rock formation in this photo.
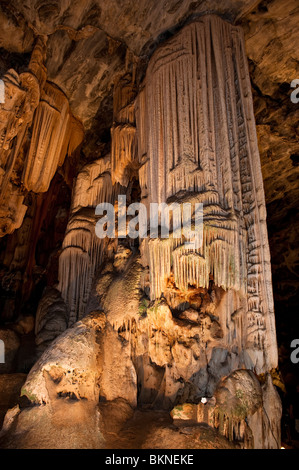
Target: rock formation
(32, 103)
(126, 328)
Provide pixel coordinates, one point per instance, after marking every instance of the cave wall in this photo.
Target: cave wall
(270, 30)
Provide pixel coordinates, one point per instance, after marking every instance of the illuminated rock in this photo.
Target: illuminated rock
(82, 251)
(51, 138)
(196, 129)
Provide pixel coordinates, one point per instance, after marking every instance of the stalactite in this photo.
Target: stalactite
(196, 136)
(56, 132)
(49, 132)
(123, 131)
(22, 95)
(220, 255)
(93, 185)
(12, 210)
(123, 100)
(37, 60)
(122, 152)
(82, 251)
(75, 138)
(232, 428)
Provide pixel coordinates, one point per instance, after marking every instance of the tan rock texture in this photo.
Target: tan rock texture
(10, 388)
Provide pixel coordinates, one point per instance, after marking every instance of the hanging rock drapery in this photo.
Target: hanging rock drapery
(196, 136)
(82, 251)
(123, 131)
(50, 137)
(35, 115)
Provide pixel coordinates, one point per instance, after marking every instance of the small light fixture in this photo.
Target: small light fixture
(204, 400)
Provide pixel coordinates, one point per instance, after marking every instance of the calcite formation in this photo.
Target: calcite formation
(48, 139)
(238, 410)
(155, 322)
(123, 132)
(21, 98)
(37, 131)
(82, 251)
(198, 135)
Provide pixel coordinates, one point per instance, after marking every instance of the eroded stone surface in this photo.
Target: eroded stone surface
(66, 425)
(10, 388)
(51, 318)
(69, 366)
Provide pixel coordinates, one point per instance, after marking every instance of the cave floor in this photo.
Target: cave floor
(154, 429)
